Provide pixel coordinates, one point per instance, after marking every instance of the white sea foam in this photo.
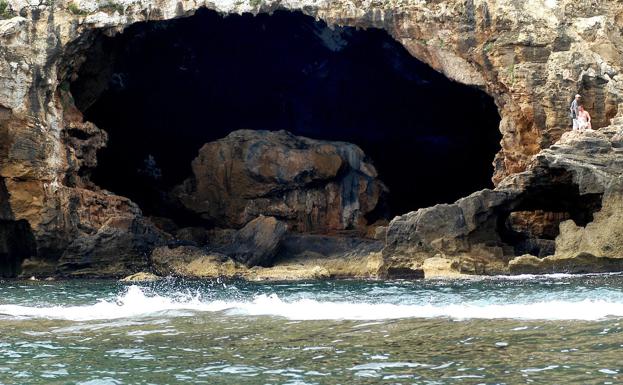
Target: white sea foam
(531, 277)
(135, 303)
(132, 303)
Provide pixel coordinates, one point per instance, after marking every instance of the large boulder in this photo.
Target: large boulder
(312, 185)
(258, 242)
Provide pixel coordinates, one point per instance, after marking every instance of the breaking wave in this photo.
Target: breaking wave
(134, 302)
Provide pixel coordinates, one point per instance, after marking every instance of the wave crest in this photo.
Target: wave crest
(134, 302)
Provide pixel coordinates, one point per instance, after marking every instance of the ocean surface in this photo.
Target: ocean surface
(524, 330)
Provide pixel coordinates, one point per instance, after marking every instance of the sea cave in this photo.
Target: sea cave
(161, 90)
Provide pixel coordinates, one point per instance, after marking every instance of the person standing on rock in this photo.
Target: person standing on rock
(575, 112)
(584, 119)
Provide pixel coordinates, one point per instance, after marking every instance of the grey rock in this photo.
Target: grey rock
(574, 189)
(258, 242)
(312, 185)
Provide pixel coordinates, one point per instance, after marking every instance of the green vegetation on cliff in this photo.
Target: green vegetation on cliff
(5, 10)
(74, 9)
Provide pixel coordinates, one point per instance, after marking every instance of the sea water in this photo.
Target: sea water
(556, 329)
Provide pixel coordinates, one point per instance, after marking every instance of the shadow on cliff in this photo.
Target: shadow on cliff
(163, 89)
(17, 241)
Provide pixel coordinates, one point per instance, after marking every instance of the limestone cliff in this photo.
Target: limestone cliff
(531, 56)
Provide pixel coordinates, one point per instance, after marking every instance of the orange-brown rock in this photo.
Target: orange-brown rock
(576, 184)
(532, 56)
(312, 185)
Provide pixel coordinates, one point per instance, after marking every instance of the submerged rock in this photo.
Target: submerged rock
(312, 185)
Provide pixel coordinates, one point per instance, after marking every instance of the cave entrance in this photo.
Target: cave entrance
(163, 89)
(17, 242)
(532, 226)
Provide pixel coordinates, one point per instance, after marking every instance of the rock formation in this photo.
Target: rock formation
(258, 242)
(312, 185)
(531, 56)
(581, 177)
(300, 256)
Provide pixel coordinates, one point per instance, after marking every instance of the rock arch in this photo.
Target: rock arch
(530, 56)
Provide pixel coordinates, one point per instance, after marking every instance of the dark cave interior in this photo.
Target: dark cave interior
(163, 89)
(17, 241)
(16, 244)
(532, 226)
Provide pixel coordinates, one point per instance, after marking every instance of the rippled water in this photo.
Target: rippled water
(531, 330)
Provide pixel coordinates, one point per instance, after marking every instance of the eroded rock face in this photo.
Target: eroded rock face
(580, 178)
(258, 242)
(122, 244)
(300, 257)
(531, 56)
(310, 184)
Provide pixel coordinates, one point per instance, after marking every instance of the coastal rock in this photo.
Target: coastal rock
(576, 184)
(577, 264)
(438, 267)
(196, 235)
(300, 246)
(530, 56)
(292, 264)
(38, 268)
(140, 277)
(465, 229)
(121, 245)
(312, 185)
(603, 236)
(192, 262)
(258, 242)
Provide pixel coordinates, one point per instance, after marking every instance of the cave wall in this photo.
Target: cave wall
(580, 177)
(531, 56)
(163, 89)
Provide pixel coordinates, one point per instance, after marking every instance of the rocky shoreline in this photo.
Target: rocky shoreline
(557, 205)
(466, 238)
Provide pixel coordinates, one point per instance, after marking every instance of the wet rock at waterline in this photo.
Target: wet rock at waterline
(312, 185)
(530, 56)
(140, 277)
(257, 242)
(580, 179)
(299, 257)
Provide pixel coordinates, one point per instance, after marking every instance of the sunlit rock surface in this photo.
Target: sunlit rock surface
(312, 185)
(531, 56)
(581, 176)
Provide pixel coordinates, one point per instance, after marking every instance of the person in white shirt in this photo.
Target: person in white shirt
(584, 119)
(574, 111)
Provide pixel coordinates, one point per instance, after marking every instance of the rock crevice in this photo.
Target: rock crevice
(530, 56)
